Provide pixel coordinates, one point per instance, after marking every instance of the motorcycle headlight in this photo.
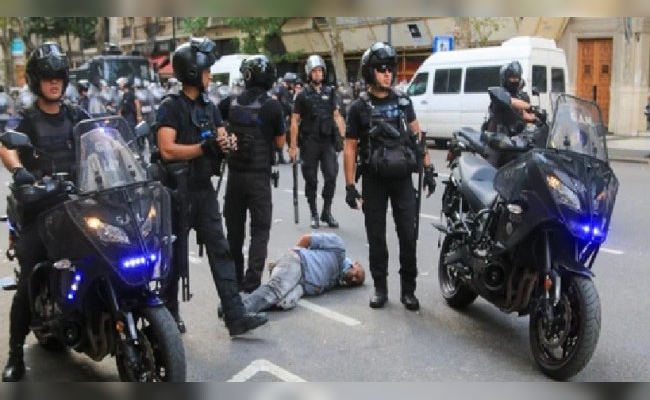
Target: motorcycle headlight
(107, 233)
(563, 194)
(147, 225)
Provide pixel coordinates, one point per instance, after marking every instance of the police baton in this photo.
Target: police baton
(296, 216)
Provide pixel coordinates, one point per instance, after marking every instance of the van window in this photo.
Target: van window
(447, 81)
(419, 84)
(223, 78)
(478, 79)
(557, 80)
(539, 78)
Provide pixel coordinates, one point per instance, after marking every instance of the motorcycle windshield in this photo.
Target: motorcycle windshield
(104, 158)
(577, 127)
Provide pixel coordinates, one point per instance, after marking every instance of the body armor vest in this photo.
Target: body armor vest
(389, 149)
(319, 120)
(56, 141)
(197, 123)
(254, 150)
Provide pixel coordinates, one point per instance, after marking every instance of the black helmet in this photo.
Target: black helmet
(83, 85)
(48, 61)
(377, 55)
(511, 70)
(258, 70)
(192, 58)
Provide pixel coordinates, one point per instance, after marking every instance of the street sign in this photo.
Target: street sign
(443, 43)
(17, 47)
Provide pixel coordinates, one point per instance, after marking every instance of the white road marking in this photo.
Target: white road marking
(300, 192)
(611, 251)
(443, 176)
(338, 317)
(195, 260)
(262, 365)
(428, 216)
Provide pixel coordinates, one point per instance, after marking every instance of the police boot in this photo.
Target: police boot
(15, 369)
(408, 298)
(314, 215)
(326, 215)
(379, 299)
(245, 323)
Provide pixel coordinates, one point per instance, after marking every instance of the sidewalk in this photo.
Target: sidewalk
(629, 148)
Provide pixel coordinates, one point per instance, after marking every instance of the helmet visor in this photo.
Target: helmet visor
(206, 52)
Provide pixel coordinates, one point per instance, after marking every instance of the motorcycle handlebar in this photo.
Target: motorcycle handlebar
(29, 194)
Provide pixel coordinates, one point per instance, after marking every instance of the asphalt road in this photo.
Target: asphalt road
(337, 337)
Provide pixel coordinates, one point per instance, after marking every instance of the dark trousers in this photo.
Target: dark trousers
(376, 192)
(205, 218)
(248, 192)
(30, 251)
(317, 150)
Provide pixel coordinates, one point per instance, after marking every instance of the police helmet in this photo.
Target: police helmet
(83, 85)
(508, 71)
(378, 55)
(258, 70)
(124, 81)
(315, 61)
(290, 77)
(192, 58)
(48, 61)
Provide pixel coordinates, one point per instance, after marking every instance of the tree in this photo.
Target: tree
(100, 33)
(475, 31)
(257, 30)
(52, 28)
(195, 25)
(337, 51)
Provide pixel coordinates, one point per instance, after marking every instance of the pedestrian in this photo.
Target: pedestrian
(647, 114)
(382, 128)
(189, 129)
(49, 123)
(258, 122)
(320, 138)
(315, 265)
(130, 108)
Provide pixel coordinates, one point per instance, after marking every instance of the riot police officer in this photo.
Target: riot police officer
(83, 86)
(185, 126)
(48, 123)
(130, 107)
(6, 109)
(321, 137)
(382, 128)
(258, 122)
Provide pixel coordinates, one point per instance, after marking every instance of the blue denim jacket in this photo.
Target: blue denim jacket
(323, 262)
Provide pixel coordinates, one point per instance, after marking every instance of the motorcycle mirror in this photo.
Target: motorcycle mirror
(500, 96)
(142, 129)
(15, 140)
(535, 91)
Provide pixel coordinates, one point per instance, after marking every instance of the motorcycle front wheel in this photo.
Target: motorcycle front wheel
(159, 353)
(563, 346)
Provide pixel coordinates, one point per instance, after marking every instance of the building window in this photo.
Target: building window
(126, 31)
(479, 79)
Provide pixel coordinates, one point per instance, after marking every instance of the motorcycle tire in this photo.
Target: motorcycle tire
(579, 306)
(456, 293)
(160, 346)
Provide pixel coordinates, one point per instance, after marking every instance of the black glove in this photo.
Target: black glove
(352, 196)
(23, 177)
(429, 180)
(210, 147)
(338, 143)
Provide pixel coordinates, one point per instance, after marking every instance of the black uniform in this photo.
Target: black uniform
(317, 138)
(128, 108)
(256, 120)
(190, 118)
(53, 134)
(387, 175)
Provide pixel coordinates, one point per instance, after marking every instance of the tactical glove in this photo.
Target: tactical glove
(23, 177)
(352, 196)
(210, 148)
(429, 180)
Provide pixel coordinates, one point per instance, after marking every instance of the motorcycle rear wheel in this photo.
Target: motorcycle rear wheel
(563, 347)
(160, 349)
(457, 294)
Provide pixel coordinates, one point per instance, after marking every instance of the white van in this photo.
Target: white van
(449, 90)
(226, 69)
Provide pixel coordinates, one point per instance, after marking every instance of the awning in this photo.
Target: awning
(157, 61)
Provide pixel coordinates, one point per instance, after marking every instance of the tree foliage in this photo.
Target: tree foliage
(194, 25)
(475, 31)
(56, 27)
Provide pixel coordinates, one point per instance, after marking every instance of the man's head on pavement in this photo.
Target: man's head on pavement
(354, 275)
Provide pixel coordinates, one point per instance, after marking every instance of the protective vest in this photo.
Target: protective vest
(319, 120)
(197, 123)
(254, 151)
(389, 149)
(55, 140)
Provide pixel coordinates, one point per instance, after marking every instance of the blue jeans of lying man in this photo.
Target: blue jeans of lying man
(283, 289)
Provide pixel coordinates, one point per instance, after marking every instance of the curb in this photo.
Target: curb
(630, 160)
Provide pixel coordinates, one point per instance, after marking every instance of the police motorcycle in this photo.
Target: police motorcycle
(94, 294)
(525, 237)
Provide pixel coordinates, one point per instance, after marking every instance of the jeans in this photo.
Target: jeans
(284, 289)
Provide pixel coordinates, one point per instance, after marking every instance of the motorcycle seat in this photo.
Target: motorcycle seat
(473, 138)
(477, 181)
